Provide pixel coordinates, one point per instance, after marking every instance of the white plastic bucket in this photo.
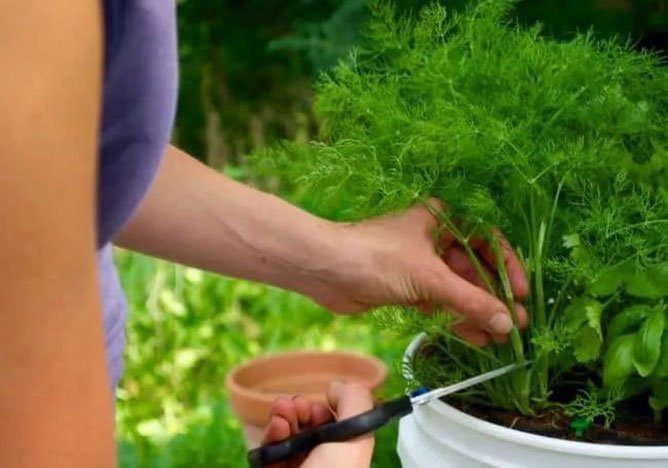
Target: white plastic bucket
(439, 436)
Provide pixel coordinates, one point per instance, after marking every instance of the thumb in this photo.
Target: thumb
(480, 307)
(349, 400)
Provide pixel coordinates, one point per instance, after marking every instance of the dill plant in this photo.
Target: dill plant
(561, 145)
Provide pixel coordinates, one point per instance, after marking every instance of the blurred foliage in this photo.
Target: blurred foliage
(186, 330)
(246, 67)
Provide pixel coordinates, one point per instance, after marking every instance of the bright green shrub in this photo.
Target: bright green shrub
(562, 145)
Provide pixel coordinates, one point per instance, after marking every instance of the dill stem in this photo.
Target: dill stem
(454, 358)
(522, 383)
(559, 299)
(463, 241)
(479, 351)
(541, 366)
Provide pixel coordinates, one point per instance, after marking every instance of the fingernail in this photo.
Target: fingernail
(501, 323)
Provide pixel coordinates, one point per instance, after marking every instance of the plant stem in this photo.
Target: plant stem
(454, 358)
(541, 366)
(520, 377)
(477, 350)
(459, 237)
(522, 385)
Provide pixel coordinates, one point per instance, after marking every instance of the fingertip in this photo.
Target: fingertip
(285, 408)
(282, 406)
(320, 413)
(517, 276)
(333, 393)
(522, 316)
(501, 323)
(350, 399)
(519, 283)
(303, 410)
(277, 429)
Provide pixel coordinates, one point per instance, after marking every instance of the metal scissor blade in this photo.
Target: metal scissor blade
(464, 384)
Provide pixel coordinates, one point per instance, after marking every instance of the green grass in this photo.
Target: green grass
(186, 330)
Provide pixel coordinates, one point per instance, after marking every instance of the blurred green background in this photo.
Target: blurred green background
(246, 74)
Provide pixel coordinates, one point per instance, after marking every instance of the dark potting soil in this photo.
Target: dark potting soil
(631, 427)
(634, 420)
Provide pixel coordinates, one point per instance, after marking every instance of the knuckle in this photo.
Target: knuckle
(356, 387)
(475, 302)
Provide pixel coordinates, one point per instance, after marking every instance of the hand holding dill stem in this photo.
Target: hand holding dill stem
(560, 145)
(415, 259)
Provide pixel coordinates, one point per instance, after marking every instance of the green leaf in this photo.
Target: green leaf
(587, 345)
(659, 399)
(660, 278)
(584, 311)
(661, 369)
(618, 361)
(634, 386)
(626, 319)
(647, 345)
(648, 284)
(607, 282)
(571, 241)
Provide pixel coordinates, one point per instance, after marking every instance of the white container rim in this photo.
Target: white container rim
(526, 438)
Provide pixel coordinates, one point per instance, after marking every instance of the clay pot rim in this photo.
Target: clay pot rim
(234, 387)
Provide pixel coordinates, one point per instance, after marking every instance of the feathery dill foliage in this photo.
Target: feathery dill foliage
(563, 145)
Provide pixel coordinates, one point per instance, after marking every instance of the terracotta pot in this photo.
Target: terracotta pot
(253, 386)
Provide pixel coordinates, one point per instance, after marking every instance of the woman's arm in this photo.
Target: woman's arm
(55, 404)
(195, 216)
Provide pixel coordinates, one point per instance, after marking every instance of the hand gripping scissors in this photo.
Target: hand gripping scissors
(363, 423)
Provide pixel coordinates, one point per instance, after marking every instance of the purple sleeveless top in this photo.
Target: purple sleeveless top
(138, 108)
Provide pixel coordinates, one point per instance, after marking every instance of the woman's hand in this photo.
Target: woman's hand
(290, 415)
(238, 231)
(395, 260)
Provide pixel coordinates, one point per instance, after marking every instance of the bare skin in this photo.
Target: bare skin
(238, 231)
(235, 230)
(55, 401)
(291, 415)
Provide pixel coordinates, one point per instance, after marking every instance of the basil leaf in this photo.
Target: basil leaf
(661, 369)
(660, 278)
(647, 344)
(648, 284)
(618, 361)
(626, 319)
(659, 399)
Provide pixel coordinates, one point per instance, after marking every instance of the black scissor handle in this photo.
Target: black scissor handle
(338, 431)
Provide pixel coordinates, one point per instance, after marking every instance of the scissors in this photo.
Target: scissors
(363, 423)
